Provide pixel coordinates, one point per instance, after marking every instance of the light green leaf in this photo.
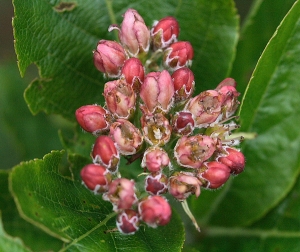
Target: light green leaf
(271, 108)
(64, 208)
(60, 42)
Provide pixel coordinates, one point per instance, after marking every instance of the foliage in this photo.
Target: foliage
(43, 199)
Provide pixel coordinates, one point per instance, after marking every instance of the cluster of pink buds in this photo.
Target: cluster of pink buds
(183, 143)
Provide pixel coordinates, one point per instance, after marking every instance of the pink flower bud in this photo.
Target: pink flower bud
(134, 34)
(95, 177)
(156, 183)
(127, 137)
(128, 221)
(226, 82)
(192, 151)
(179, 54)
(234, 159)
(216, 174)
(133, 71)
(184, 82)
(105, 153)
(183, 123)
(121, 193)
(182, 185)
(205, 107)
(120, 98)
(109, 57)
(157, 91)
(156, 129)
(155, 159)
(229, 100)
(155, 210)
(92, 118)
(164, 32)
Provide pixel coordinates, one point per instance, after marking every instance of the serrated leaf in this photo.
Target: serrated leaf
(15, 226)
(271, 109)
(60, 43)
(64, 208)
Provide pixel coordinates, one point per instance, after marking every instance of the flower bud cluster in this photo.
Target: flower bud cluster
(184, 143)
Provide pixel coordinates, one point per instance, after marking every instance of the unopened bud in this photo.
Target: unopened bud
(182, 185)
(157, 91)
(184, 82)
(226, 82)
(134, 34)
(92, 118)
(120, 98)
(133, 71)
(234, 159)
(155, 159)
(105, 153)
(95, 177)
(128, 221)
(192, 151)
(121, 193)
(156, 183)
(155, 211)
(164, 32)
(216, 174)
(109, 57)
(183, 123)
(179, 54)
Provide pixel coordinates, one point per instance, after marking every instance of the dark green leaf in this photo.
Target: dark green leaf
(60, 42)
(271, 108)
(64, 208)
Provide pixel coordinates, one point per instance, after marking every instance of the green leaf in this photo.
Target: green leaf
(60, 40)
(277, 231)
(64, 208)
(15, 226)
(271, 108)
(256, 31)
(8, 243)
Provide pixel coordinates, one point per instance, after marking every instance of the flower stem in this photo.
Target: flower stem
(189, 213)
